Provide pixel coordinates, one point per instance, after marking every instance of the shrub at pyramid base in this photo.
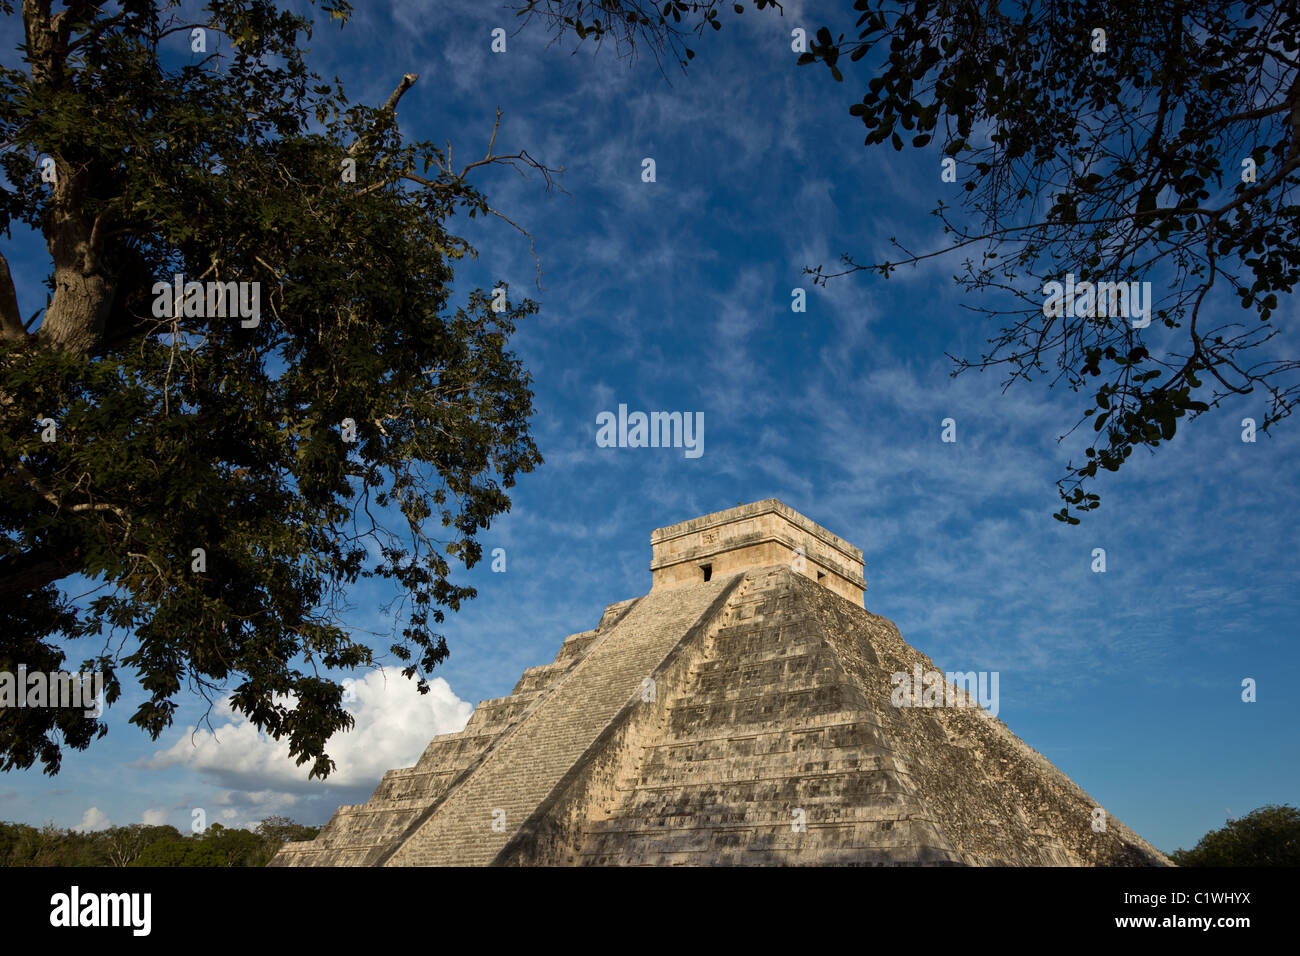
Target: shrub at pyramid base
(745, 711)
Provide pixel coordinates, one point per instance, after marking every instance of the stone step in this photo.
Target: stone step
(792, 648)
(872, 856)
(817, 812)
(805, 673)
(770, 765)
(798, 736)
(912, 840)
(761, 711)
(848, 788)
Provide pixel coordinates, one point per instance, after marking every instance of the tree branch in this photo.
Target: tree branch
(33, 570)
(39, 487)
(408, 81)
(11, 321)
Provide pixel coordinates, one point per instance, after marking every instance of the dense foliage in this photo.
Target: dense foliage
(221, 478)
(1269, 836)
(142, 845)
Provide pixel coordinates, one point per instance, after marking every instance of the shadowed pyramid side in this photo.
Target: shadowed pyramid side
(775, 742)
(997, 801)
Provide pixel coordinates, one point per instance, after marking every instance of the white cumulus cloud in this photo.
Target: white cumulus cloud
(394, 723)
(93, 819)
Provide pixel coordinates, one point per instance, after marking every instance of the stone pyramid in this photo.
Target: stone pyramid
(742, 712)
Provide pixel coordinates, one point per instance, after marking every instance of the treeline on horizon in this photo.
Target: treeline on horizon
(1268, 836)
(140, 844)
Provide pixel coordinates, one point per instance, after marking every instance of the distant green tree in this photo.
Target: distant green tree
(1269, 836)
(236, 847)
(200, 850)
(172, 851)
(215, 846)
(23, 845)
(143, 845)
(124, 844)
(18, 844)
(60, 847)
(282, 830)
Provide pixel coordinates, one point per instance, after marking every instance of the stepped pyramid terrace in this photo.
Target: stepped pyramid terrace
(746, 711)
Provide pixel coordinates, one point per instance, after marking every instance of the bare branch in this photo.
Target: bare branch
(390, 105)
(39, 487)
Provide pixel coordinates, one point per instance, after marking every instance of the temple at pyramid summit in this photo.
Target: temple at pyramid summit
(746, 711)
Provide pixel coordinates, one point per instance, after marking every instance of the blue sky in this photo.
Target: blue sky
(675, 296)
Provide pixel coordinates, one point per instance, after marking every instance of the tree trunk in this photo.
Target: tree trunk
(83, 294)
(78, 311)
